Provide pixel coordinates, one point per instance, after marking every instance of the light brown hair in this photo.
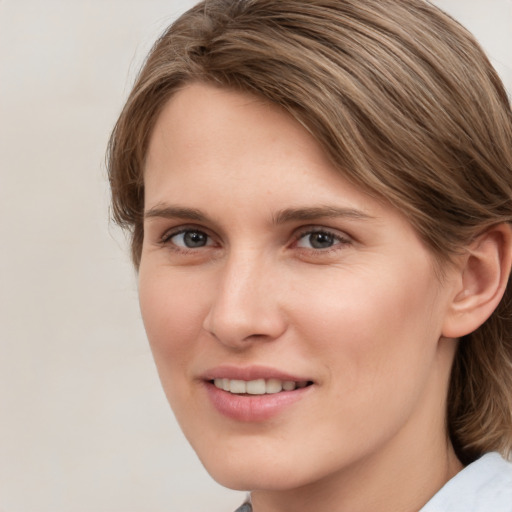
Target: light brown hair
(407, 106)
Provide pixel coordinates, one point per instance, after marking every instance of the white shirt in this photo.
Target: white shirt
(483, 486)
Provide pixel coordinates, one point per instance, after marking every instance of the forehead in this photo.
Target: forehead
(210, 135)
(199, 117)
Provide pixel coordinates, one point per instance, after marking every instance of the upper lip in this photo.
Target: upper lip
(248, 373)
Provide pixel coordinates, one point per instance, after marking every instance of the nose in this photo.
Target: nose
(246, 305)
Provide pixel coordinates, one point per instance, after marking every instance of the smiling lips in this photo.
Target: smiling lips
(257, 386)
(253, 395)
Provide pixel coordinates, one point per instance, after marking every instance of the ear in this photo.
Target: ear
(484, 273)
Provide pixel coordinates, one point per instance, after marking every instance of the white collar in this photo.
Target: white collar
(483, 486)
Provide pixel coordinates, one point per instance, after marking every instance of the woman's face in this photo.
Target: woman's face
(263, 268)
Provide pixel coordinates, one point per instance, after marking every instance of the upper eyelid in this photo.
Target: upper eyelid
(306, 230)
(170, 232)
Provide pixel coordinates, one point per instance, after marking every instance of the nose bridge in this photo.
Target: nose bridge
(245, 305)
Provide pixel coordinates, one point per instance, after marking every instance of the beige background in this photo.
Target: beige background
(84, 425)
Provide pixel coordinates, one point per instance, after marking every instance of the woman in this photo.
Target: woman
(319, 196)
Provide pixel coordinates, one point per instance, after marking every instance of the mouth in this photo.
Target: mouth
(258, 386)
(255, 394)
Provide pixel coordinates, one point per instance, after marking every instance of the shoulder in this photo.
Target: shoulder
(246, 507)
(484, 485)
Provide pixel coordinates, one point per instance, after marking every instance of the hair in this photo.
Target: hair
(407, 106)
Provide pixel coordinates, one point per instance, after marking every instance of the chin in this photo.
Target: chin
(250, 476)
(252, 464)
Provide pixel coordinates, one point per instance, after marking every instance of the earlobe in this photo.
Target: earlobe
(485, 269)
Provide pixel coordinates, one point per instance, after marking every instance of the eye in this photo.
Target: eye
(319, 239)
(189, 239)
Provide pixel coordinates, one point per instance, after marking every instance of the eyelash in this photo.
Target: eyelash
(338, 239)
(169, 235)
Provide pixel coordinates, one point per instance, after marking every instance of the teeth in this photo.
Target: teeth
(289, 385)
(255, 387)
(273, 386)
(258, 386)
(238, 386)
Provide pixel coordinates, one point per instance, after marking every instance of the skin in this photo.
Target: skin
(362, 315)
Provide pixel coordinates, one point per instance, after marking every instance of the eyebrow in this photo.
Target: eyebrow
(173, 212)
(318, 212)
(282, 217)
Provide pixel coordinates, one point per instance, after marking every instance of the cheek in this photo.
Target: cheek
(173, 313)
(377, 348)
(374, 334)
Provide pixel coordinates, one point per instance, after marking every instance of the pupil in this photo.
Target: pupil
(321, 240)
(194, 239)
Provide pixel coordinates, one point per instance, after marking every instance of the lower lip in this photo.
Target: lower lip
(253, 408)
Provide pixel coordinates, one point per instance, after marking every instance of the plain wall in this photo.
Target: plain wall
(84, 425)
